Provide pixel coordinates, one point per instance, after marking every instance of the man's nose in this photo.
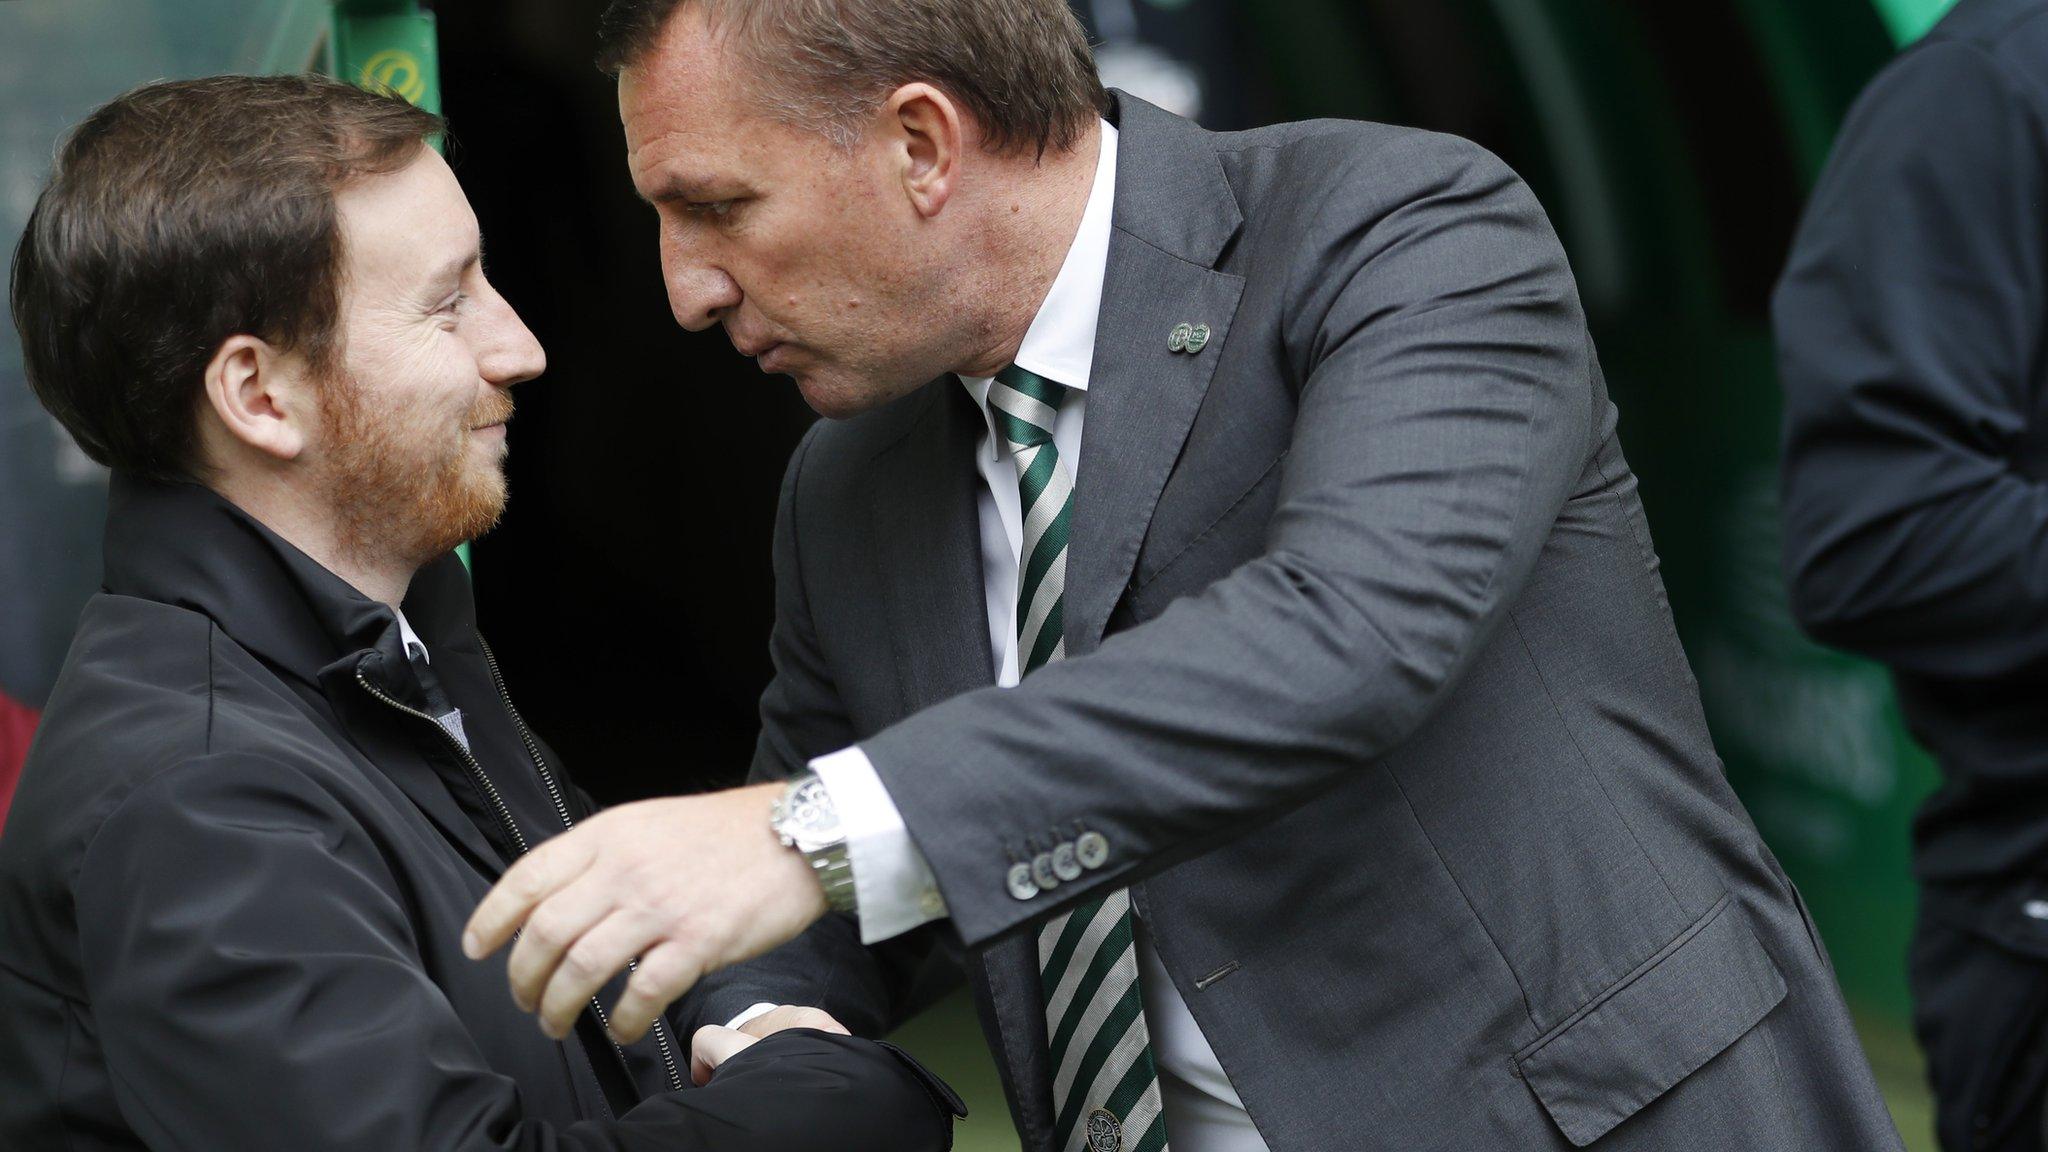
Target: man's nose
(700, 296)
(512, 354)
(699, 292)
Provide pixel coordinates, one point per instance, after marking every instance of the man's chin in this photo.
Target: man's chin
(467, 513)
(838, 398)
(485, 508)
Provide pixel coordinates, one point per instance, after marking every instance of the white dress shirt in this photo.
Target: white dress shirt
(894, 885)
(407, 638)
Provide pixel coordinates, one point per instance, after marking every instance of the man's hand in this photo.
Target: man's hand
(790, 1016)
(713, 1044)
(688, 885)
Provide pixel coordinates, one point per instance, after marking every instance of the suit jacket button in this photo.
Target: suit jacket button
(1021, 884)
(1066, 862)
(1092, 849)
(1042, 873)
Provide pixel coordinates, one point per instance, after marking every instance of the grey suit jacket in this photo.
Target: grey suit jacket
(1372, 688)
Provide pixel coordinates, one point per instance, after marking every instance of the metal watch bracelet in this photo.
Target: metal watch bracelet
(833, 866)
(804, 819)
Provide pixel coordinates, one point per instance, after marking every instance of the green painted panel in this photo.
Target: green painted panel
(390, 51)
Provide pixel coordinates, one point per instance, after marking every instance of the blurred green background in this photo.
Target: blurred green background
(1672, 141)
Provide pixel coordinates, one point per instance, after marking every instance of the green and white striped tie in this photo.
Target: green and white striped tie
(1105, 1092)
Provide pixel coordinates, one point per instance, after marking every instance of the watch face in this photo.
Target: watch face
(808, 813)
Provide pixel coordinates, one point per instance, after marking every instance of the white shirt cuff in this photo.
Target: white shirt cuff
(891, 880)
(761, 1009)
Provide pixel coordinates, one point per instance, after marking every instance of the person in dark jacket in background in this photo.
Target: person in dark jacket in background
(1911, 324)
(280, 766)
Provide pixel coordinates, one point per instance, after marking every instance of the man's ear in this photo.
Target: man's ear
(260, 396)
(930, 137)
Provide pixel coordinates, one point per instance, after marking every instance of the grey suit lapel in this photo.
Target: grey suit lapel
(1173, 217)
(927, 526)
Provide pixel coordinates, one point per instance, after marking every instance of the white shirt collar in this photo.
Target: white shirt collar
(1060, 344)
(407, 637)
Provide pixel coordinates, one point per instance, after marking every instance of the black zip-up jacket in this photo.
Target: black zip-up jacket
(234, 881)
(1912, 325)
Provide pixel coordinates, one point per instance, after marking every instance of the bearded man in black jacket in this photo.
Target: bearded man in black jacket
(280, 767)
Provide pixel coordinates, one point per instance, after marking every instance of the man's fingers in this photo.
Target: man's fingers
(585, 966)
(701, 873)
(552, 929)
(790, 1016)
(714, 1045)
(664, 973)
(525, 884)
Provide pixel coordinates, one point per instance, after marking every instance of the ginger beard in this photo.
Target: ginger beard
(406, 481)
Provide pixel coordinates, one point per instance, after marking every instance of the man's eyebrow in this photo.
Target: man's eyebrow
(677, 187)
(452, 270)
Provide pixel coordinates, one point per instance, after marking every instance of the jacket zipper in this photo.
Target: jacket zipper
(547, 776)
(504, 813)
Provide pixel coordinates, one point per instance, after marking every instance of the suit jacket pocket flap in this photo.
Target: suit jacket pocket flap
(1653, 1027)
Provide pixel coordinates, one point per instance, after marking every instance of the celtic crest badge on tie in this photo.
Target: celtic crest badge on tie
(1105, 1133)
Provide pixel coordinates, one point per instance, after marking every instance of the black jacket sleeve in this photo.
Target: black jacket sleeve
(1909, 324)
(255, 983)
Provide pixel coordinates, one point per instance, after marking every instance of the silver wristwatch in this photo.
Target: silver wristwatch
(804, 819)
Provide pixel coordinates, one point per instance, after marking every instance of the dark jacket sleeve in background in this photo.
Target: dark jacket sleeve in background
(238, 930)
(1909, 326)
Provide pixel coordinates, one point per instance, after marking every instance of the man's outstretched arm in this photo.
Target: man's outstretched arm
(868, 990)
(256, 983)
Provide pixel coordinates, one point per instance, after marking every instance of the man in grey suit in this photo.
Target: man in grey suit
(1352, 790)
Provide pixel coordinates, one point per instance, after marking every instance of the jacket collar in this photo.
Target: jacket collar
(186, 545)
(1171, 191)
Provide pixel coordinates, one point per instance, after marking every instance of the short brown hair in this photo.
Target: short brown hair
(178, 215)
(1022, 67)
